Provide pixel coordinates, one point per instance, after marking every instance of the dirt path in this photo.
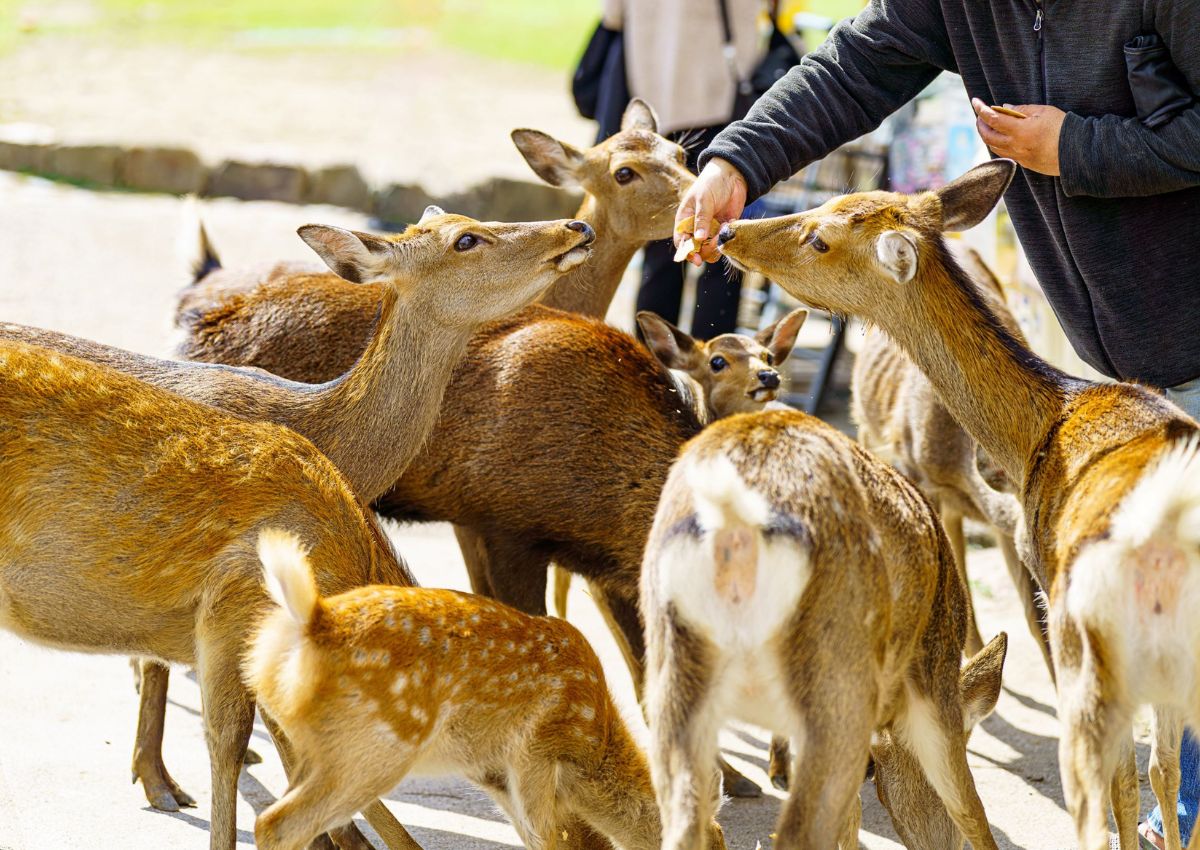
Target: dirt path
(104, 266)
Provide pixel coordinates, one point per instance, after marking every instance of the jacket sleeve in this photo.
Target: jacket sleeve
(869, 67)
(1112, 157)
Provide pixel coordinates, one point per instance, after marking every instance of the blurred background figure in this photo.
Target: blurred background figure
(664, 51)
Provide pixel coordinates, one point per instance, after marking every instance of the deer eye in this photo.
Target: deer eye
(718, 363)
(624, 175)
(818, 244)
(466, 242)
(769, 359)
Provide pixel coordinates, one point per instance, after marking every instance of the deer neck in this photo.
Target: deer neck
(373, 420)
(1004, 395)
(589, 288)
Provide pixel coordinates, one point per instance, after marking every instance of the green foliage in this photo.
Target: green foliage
(542, 32)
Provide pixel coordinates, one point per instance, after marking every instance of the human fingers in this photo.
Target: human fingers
(685, 219)
(996, 141)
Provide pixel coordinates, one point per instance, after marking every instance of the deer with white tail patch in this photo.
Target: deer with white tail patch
(795, 582)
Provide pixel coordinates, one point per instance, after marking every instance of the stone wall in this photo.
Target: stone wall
(178, 171)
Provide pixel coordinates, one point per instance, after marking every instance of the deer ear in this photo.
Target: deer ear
(897, 253)
(354, 256)
(967, 200)
(780, 337)
(555, 162)
(639, 116)
(980, 680)
(431, 211)
(668, 343)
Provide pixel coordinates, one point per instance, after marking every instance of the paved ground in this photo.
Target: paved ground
(104, 266)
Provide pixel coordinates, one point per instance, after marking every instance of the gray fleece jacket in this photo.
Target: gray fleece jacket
(1114, 241)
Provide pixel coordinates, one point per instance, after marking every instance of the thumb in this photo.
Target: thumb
(704, 217)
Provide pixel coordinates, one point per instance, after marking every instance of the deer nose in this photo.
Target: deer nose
(583, 227)
(725, 235)
(769, 378)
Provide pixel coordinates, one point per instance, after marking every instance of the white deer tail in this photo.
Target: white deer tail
(1157, 524)
(287, 574)
(723, 499)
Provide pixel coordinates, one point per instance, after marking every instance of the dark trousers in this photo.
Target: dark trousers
(719, 288)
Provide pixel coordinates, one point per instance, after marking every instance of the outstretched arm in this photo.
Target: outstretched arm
(869, 67)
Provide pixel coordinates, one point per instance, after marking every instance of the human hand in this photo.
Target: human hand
(1031, 141)
(717, 196)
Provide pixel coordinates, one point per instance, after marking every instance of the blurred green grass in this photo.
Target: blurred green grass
(547, 33)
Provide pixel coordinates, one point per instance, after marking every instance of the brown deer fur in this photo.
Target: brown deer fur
(794, 581)
(373, 419)
(556, 431)
(377, 683)
(730, 373)
(1106, 474)
(901, 418)
(128, 523)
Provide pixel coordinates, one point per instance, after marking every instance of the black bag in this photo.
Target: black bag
(599, 85)
(1160, 90)
(780, 57)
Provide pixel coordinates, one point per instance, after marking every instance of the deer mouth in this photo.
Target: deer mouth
(572, 257)
(763, 394)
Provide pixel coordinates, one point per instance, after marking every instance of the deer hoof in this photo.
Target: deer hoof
(736, 785)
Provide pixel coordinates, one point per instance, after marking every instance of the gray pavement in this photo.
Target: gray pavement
(105, 266)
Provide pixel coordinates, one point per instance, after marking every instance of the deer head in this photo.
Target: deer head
(737, 373)
(856, 254)
(635, 178)
(487, 269)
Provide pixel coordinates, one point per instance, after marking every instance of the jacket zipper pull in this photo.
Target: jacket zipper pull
(1037, 21)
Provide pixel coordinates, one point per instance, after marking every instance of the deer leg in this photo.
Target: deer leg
(1029, 592)
(345, 837)
(683, 736)
(228, 721)
(562, 586)
(1089, 750)
(1164, 771)
(848, 838)
(162, 791)
(324, 800)
(1123, 791)
(932, 730)
(625, 623)
(517, 574)
(474, 548)
(952, 521)
(832, 752)
(534, 800)
(779, 768)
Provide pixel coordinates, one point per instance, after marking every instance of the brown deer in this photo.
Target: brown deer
(1107, 474)
(128, 523)
(901, 418)
(377, 683)
(439, 281)
(793, 581)
(731, 373)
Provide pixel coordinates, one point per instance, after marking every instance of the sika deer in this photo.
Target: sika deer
(796, 582)
(901, 418)
(381, 682)
(730, 373)
(437, 289)
(1108, 475)
(128, 521)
